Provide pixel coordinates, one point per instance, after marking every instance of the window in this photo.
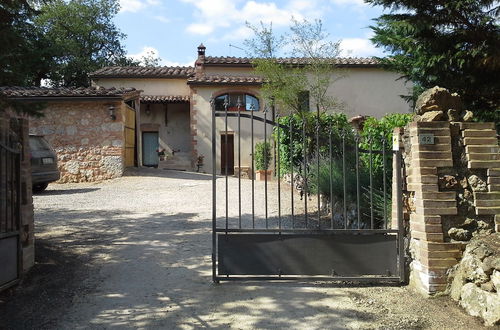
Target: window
(248, 102)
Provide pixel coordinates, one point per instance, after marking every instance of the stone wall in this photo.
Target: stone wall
(88, 142)
(452, 202)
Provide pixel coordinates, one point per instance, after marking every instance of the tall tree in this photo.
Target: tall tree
(286, 84)
(451, 43)
(82, 38)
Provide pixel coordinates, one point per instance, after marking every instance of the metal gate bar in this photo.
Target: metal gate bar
(234, 248)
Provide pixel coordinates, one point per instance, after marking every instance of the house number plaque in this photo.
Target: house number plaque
(426, 139)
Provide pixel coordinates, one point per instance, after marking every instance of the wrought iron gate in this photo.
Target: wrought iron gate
(10, 208)
(266, 230)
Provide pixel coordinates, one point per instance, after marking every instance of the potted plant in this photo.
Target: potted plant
(262, 161)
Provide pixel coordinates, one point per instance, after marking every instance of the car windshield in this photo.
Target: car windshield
(38, 143)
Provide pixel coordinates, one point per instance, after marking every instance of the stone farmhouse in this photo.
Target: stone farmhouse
(174, 116)
(91, 129)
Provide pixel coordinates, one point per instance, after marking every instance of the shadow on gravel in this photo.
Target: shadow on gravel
(110, 269)
(66, 191)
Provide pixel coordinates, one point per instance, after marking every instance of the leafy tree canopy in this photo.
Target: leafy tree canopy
(451, 43)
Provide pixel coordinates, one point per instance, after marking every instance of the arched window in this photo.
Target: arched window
(248, 102)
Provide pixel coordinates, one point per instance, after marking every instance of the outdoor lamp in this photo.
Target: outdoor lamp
(111, 110)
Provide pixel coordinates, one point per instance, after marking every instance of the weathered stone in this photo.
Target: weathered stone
(476, 183)
(464, 183)
(490, 264)
(495, 279)
(481, 303)
(467, 116)
(481, 251)
(447, 182)
(488, 287)
(459, 234)
(437, 98)
(432, 116)
(453, 115)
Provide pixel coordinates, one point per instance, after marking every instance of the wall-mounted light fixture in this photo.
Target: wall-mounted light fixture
(148, 109)
(111, 110)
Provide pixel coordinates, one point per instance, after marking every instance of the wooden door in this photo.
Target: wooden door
(129, 136)
(227, 167)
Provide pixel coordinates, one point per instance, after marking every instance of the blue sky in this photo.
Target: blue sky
(172, 29)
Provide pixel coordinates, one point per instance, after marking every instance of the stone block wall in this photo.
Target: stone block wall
(90, 145)
(452, 194)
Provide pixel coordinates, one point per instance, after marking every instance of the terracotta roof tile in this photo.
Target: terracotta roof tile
(164, 98)
(145, 72)
(41, 92)
(225, 79)
(341, 61)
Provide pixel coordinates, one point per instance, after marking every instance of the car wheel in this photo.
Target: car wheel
(40, 187)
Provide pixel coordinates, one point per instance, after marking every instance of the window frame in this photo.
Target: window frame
(233, 100)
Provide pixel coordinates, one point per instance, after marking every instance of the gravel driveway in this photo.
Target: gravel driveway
(135, 253)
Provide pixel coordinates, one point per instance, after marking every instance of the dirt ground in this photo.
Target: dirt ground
(135, 253)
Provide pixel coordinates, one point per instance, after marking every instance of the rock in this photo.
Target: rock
(447, 182)
(459, 234)
(482, 251)
(490, 264)
(495, 279)
(467, 115)
(432, 116)
(458, 281)
(481, 303)
(472, 268)
(476, 183)
(488, 287)
(453, 115)
(437, 99)
(464, 183)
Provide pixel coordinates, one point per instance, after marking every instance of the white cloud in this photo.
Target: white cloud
(350, 2)
(148, 51)
(358, 47)
(134, 6)
(162, 19)
(216, 14)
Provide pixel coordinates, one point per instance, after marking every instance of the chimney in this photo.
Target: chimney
(201, 60)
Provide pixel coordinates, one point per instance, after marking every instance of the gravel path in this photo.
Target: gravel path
(135, 253)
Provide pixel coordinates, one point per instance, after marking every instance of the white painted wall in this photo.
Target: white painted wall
(149, 86)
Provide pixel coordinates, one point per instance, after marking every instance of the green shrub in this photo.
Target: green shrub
(262, 155)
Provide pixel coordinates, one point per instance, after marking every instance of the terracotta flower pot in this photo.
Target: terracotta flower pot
(261, 175)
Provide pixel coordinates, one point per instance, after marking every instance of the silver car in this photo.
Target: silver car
(43, 163)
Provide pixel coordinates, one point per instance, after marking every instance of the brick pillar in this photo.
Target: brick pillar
(431, 255)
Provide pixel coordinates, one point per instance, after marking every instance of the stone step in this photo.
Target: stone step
(495, 172)
(422, 178)
(421, 171)
(432, 162)
(494, 188)
(438, 131)
(480, 141)
(483, 156)
(422, 187)
(488, 210)
(482, 149)
(493, 180)
(431, 155)
(479, 133)
(430, 203)
(487, 203)
(486, 195)
(482, 164)
(430, 124)
(476, 126)
(440, 195)
(440, 211)
(427, 219)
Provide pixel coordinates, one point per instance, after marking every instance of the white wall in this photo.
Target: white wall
(149, 86)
